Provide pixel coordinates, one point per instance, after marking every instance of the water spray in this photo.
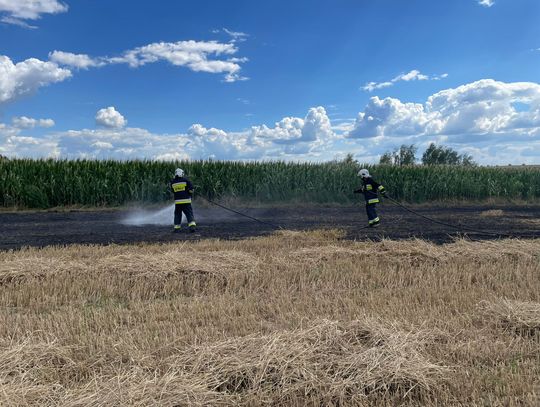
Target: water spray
(147, 217)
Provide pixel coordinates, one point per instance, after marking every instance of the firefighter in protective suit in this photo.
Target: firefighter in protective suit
(182, 189)
(371, 191)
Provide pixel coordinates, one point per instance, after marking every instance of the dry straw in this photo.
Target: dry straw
(297, 318)
(522, 317)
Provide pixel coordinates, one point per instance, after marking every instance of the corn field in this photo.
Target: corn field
(51, 183)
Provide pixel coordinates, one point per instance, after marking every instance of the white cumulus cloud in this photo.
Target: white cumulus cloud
(17, 11)
(110, 117)
(120, 144)
(198, 56)
(102, 145)
(414, 75)
(486, 3)
(24, 122)
(26, 77)
(205, 142)
(483, 107)
(14, 143)
(390, 117)
(237, 36)
(289, 138)
(496, 122)
(80, 61)
(317, 125)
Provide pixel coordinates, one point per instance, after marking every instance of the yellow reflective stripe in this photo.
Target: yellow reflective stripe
(179, 186)
(192, 224)
(369, 187)
(374, 220)
(177, 227)
(182, 201)
(380, 188)
(372, 201)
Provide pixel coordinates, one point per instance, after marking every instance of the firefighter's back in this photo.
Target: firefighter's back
(181, 187)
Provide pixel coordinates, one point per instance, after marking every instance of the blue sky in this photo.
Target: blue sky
(302, 80)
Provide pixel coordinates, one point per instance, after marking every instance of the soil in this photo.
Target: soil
(115, 227)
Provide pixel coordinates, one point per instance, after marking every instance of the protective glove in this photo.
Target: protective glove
(359, 191)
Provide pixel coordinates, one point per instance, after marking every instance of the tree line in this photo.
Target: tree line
(434, 155)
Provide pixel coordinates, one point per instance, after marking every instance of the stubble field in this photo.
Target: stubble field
(291, 318)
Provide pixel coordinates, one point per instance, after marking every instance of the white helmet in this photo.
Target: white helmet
(179, 172)
(363, 173)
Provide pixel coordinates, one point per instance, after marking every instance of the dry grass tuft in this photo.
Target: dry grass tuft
(328, 363)
(40, 372)
(322, 235)
(521, 317)
(492, 213)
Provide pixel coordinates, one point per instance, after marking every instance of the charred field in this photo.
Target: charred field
(45, 228)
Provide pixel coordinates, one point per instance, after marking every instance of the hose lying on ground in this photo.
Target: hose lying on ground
(457, 227)
(240, 213)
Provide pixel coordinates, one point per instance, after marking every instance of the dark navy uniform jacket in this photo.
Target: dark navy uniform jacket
(371, 189)
(182, 189)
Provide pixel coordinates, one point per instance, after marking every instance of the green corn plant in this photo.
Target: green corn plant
(50, 183)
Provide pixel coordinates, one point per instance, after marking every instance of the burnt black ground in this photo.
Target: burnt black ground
(20, 229)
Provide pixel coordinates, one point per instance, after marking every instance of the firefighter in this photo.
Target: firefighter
(183, 191)
(371, 190)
